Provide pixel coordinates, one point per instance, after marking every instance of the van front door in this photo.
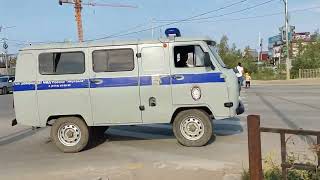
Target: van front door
(155, 84)
(114, 85)
(193, 84)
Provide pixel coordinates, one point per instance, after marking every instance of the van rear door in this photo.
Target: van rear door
(114, 85)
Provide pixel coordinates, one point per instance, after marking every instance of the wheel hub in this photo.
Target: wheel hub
(69, 134)
(192, 128)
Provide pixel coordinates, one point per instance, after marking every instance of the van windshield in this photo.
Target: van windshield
(213, 49)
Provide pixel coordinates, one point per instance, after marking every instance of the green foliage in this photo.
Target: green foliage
(308, 58)
(232, 56)
(272, 171)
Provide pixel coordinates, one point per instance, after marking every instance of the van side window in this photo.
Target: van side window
(113, 60)
(61, 63)
(188, 56)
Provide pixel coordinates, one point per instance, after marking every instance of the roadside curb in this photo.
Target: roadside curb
(287, 82)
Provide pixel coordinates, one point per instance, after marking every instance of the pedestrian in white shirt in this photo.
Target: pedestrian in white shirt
(239, 74)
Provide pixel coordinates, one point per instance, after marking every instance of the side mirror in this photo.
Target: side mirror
(207, 61)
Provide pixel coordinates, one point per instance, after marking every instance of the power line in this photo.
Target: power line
(192, 17)
(233, 12)
(255, 17)
(21, 42)
(126, 30)
(29, 42)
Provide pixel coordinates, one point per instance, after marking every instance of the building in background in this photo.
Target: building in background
(276, 45)
(264, 56)
(300, 39)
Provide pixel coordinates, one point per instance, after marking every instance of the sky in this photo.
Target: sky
(47, 21)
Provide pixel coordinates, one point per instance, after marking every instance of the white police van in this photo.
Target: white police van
(81, 88)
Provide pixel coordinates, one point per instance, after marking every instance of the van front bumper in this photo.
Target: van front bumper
(240, 108)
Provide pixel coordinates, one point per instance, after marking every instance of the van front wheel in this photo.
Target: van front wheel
(193, 128)
(70, 134)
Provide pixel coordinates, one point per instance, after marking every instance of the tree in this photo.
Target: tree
(223, 46)
(309, 58)
(229, 56)
(232, 56)
(316, 35)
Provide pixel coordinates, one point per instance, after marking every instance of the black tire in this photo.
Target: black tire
(196, 118)
(4, 90)
(80, 143)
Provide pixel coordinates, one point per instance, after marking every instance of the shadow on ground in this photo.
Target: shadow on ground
(225, 127)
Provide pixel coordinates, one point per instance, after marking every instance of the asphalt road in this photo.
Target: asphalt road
(151, 151)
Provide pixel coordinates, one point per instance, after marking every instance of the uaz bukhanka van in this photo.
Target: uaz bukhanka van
(81, 88)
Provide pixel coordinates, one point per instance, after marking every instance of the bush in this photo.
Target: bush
(308, 58)
(272, 171)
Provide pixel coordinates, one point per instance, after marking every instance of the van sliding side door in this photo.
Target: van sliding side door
(155, 84)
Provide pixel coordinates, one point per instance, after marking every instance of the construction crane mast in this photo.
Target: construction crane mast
(78, 7)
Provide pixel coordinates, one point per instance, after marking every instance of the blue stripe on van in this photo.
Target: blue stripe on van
(21, 86)
(119, 82)
(115, 82)
(166, 80)
(145, 80)
(63, 84)
(199, 78)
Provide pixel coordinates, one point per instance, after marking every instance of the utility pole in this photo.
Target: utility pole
(152, 28)
(78, 7)
(259, 47)
(288, 63)
(5, 47)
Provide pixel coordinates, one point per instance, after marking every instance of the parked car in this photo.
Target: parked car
(6, 84)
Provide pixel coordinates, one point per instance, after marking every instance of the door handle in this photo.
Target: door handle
(96, 81)
(178, 77)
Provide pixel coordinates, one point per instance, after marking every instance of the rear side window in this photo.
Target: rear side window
(113, 60)
(61, 63)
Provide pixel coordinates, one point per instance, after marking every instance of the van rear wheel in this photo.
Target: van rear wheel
(193, 128)
(70, 134)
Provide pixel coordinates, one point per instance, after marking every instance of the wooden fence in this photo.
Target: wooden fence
(254, 147)
(309, 73)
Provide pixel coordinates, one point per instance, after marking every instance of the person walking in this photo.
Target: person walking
(239, 74)
(248, 80)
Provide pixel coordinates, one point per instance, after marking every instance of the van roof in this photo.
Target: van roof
(67, 45)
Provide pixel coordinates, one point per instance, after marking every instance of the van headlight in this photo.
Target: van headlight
(195, 93)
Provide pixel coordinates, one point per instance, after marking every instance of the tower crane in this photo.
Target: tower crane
(78, 7)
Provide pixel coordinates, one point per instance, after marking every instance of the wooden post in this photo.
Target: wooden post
(318, 152)
(283, 155)
(254, 146)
